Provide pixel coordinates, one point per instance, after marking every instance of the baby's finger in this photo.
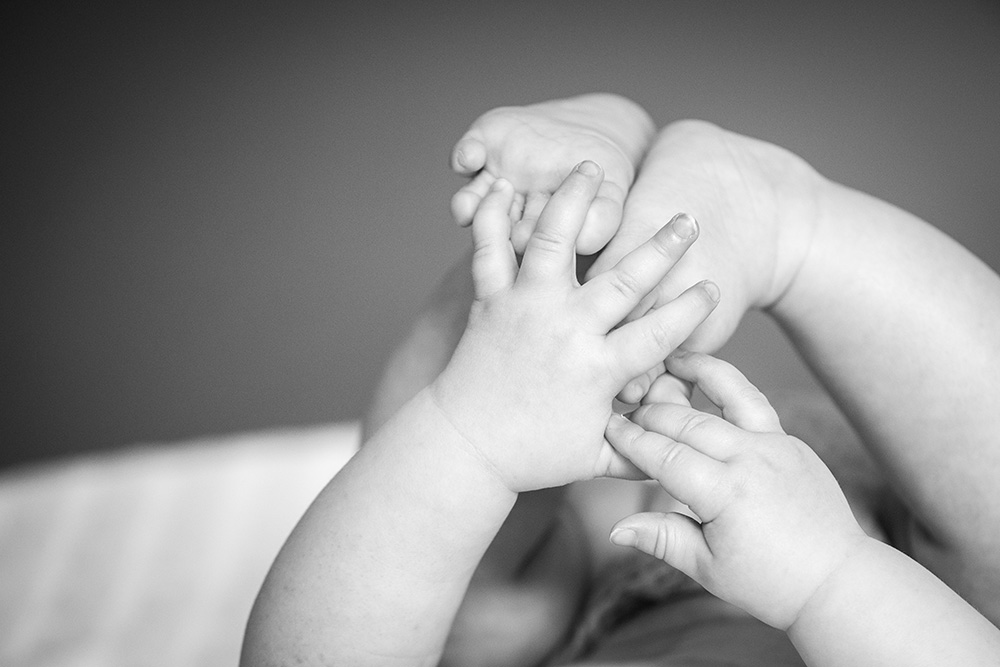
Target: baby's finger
(668, 388)
(551, 250)
(465, 202)
(640, 344)
(722, 383)
(603, 218)
(649, 302)
(616, 292)
(615, 465)
(534, 204)
(468, 156)
(494, 266)
(703, 432)
(673, 538)
(687, 474)
(636, 389)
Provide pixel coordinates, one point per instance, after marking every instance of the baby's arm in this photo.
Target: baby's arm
(534, 147)
(777, 537)
(376, 569)
(900, 323)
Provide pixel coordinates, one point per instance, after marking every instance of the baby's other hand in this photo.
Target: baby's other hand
(531, 384)
(535, 148)
(774, 523)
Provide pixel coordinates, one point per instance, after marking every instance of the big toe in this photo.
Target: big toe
(469, 155)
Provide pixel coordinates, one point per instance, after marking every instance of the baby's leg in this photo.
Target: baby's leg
(524, 594)
(751, 230)
(426, 349)
(535, 147)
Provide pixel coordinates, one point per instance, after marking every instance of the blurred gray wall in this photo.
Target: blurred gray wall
(220, 217)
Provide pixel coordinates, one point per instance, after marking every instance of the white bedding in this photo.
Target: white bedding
(152, 556)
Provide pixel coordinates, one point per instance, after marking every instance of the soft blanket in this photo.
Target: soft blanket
(152, 555)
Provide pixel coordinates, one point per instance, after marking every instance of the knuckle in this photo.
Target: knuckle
(661, 247)
(669, 458)
(626, 284)
(480, 251)
(547, 240)
(664, 337)
(760, 403)
(738, 487)
(690, 424)
(750, 394)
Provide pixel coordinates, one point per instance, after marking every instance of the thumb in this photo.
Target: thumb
(673, 538)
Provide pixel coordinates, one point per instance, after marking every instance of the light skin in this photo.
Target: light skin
(534, 148)
(377, 568)
(896, 319)
(776, 536)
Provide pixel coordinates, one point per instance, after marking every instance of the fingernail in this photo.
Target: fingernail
(712, 290)
(624, 537)
(588, 168)
(685, 226)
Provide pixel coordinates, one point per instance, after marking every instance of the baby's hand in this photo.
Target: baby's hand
(774, 523)
(535, 147)
(531, 384)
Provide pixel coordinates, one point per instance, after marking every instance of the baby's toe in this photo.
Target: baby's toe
(603, 219)
(516, 207)
(521, 234)
(534, 203)
(666, 388)
(469, 155)
(633, 392)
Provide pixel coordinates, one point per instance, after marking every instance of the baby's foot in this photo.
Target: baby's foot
(535, 147)
(751, 201)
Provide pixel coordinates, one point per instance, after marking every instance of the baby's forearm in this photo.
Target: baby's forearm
(882, 608)
(902, 324)
(376, 569)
